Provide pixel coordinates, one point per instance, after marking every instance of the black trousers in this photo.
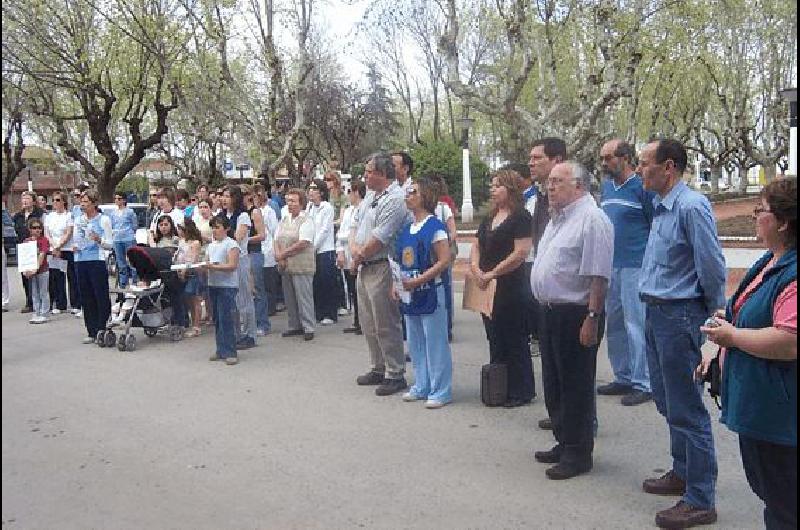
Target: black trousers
(272, 281)
(771, 471)
(58, 289)
(532, 309)
(568, 377)
(27, 287)
(350, 278)
(93, 276)
(326, 303)
(508, 344)
(72, 280)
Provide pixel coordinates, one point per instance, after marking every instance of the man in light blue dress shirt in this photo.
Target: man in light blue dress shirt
(682, 283)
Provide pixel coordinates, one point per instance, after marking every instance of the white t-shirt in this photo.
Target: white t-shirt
(443, 212)
(218, 253)
(56, 225)
(439, 235)
(270, 226)
(322, 216)
(244, 219)
(284, 211)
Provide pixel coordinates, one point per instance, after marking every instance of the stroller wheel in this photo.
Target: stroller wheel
(101, 338)
(121, 343)
(130, 343)
(150, 332)
(111, 339)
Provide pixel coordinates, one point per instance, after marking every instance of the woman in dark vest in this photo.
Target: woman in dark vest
(759, 362)
(423, 251)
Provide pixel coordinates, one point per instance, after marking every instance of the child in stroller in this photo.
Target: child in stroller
(150, 303)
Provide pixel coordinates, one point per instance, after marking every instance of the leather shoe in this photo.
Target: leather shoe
(546, 424)
(564, 470)
(684, 515)
(614, 389)
(26, 309)
(246, 344)
(370, 378)
(308, 336)
(292, 333)
(391, 386)
(667, 484)
(637, 397)
(553, 456)
(513, 403)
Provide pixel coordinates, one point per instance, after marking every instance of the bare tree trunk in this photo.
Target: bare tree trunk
(743, 179)
(716, 174)
(769, 172)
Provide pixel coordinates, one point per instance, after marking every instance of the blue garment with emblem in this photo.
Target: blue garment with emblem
(630, 209)
(415, 252)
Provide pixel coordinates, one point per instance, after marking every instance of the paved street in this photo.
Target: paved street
(162, 438)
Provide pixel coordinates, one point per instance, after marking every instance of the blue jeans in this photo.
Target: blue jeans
(260, 296)
(124, 270)
(673, 352)
(430, 352)
(625, 330)
(223, 301)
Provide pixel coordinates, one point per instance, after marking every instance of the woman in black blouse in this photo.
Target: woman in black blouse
(504, 239)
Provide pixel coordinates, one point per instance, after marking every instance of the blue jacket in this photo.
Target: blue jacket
(759, 396)
(415, 252)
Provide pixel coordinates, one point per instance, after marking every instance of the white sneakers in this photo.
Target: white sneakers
(56, 311)
(343, 312)
(88, 340)
(38, 319)
(429, 403)
(326, 322)
(409, 397)
(433, 404)
(78, 313)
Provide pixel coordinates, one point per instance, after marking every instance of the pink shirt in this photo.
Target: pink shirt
(784, 312)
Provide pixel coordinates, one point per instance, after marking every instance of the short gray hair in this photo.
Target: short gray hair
(383, 164)
(581, 175)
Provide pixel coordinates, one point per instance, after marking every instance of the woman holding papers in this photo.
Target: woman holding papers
(58, 230)
(504, 239)
(424, 253)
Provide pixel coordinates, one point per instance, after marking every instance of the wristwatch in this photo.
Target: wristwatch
(593, 315)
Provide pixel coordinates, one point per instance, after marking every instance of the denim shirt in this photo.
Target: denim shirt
(683, 258)
(124, 224)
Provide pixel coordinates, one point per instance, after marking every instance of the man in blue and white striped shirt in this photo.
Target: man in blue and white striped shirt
(630, 209)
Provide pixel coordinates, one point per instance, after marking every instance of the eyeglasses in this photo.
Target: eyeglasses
(56, 200)
(36, 228)
(758, 210)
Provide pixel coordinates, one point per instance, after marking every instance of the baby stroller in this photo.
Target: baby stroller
(147, 307)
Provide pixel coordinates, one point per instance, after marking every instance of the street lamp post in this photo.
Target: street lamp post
(790, 96)
(466, 183)
(30, 180)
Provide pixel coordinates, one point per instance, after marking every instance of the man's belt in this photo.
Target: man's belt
(654, 300)
(374, 262)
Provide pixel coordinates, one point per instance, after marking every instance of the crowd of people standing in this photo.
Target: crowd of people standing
(640, 264)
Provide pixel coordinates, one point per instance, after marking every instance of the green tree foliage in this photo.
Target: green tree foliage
(446, 158)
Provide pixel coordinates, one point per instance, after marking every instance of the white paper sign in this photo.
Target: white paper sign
(397, 278)
(28, 257)
(57, 263)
